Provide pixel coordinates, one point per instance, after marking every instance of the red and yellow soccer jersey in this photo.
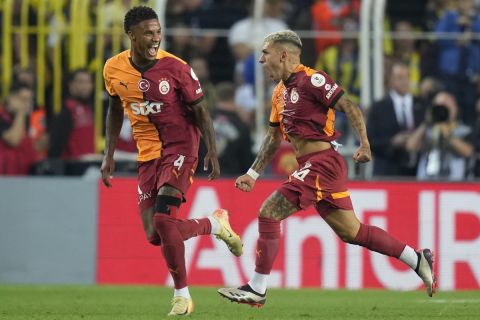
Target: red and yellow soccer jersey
(303, 105)
(158, 101)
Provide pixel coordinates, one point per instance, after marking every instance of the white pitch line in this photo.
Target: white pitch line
(450, 301)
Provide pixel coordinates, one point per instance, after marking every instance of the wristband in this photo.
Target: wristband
(253, 174)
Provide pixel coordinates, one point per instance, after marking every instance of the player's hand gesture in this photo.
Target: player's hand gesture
(363, 154)
(212, 159)
(245, 183)
(107, 169)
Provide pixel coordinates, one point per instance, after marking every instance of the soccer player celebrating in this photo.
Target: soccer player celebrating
(303, 111)
(163, 99)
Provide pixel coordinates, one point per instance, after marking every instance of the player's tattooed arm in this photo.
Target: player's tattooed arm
(204, 123)
(355, 117)
(113, 124)
(269, 147)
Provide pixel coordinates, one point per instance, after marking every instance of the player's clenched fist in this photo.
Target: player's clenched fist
(107, 169)
(245, 183)
(363, 154)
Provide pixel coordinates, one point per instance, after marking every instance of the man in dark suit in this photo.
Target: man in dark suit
(391, 121)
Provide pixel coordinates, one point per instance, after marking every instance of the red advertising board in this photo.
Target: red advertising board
(444, 217)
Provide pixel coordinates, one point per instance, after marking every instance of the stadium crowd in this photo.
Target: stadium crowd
(427, 126)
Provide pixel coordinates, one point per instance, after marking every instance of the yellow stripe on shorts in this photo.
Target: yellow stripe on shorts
(319, 189)
(339, 195)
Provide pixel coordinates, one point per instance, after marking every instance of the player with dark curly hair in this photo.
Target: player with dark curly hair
(163, 99)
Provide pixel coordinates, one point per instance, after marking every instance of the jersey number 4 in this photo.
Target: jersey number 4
(179, 162)
(300, 175)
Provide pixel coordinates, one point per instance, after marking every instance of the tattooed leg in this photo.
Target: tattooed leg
(277, 207)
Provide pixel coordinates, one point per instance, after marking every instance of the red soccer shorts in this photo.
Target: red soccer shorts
(174, 170)
(321, 181)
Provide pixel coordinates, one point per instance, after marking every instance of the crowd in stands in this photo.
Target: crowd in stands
(426, 127)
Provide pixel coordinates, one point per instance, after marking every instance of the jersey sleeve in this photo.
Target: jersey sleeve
(189, 85)
(108, 80)
(274, 113)
(323, 88)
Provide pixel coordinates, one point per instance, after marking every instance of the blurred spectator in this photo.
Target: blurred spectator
(429, 87)
(17, 154)
(459, 59)
(328, 15)
(445, 144)
(405, 50)
(245, 92)
(411, 11)
(72, 132)
(24, 76)
(242, 35)
(341, 62)
(435, 9)
(181, 42)
(232, 135)
(176, 12)
(242, 42)
(299, 17)
(390, 123)
(38, 115)
(198, 14)
(200, 66)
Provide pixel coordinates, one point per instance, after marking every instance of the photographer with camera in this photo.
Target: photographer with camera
(445, 144)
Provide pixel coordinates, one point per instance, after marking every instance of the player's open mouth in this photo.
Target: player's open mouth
(152, 50)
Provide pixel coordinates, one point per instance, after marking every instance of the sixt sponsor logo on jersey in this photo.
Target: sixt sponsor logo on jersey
(145, 108)
(329, 94)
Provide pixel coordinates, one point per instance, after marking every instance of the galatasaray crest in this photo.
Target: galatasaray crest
(164, 87)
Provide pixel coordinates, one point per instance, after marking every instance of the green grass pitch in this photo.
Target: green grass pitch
(129, 302)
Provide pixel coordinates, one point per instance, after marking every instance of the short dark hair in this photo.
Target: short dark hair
(136, 15)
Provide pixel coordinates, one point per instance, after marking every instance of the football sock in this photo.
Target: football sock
(378, 240)
(182, 293)
(193, 227)
(258, 282)
(267, 244)
(409, 257)
(173, 248)
(215, 225)
(418, 262)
